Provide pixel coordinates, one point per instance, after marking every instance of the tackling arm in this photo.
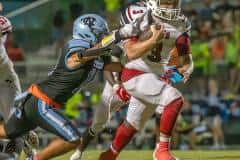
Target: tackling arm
(130, 30)
(101, 47)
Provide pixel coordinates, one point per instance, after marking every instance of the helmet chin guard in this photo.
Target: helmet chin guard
(170, 14)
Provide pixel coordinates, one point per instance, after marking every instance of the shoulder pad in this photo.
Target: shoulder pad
(77, 44)
(132, 12)
(139, 25)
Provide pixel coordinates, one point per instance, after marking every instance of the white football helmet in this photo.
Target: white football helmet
(159, 10)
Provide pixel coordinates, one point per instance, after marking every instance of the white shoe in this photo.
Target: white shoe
(77, 155)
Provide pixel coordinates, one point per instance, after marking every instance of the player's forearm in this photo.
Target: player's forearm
(136, 50)
(113, 67)
(75, 61)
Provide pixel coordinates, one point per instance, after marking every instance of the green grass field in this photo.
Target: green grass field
(183, 155)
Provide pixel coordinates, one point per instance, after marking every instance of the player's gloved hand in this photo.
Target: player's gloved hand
(121, 93)
(172, 76)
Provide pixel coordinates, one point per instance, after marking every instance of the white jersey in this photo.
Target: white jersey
(6, 66)
(149, 92)
(157, 59)
(9, 82)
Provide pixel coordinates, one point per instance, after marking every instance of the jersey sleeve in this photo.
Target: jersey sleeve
(77, 45)
(183, 44)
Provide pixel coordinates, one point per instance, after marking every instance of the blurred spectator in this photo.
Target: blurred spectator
(190, 127)
(235, 110)
(86, 113)
(232, 60)
(58, 31)
(217, 49)
(224, 7)
(205, 30)
(215, 120)
(206, 13)
(189, 10)
(146, 136)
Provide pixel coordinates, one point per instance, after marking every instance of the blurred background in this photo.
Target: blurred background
(211, 113)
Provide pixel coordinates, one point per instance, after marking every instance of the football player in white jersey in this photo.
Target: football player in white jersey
(10, 88)
(10, 85)
(148, 58)
(184, 59)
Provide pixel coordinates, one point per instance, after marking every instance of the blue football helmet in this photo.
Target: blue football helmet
(90, 27)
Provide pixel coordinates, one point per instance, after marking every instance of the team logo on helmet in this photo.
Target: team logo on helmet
(90, 21)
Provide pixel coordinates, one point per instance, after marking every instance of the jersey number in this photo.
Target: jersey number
(155, 55)
(137, 11)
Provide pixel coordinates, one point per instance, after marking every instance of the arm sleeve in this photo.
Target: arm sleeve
(183, 44)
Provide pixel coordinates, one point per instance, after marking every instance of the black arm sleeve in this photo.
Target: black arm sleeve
(107, 43)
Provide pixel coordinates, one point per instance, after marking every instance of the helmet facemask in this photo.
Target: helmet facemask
(160, 10)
